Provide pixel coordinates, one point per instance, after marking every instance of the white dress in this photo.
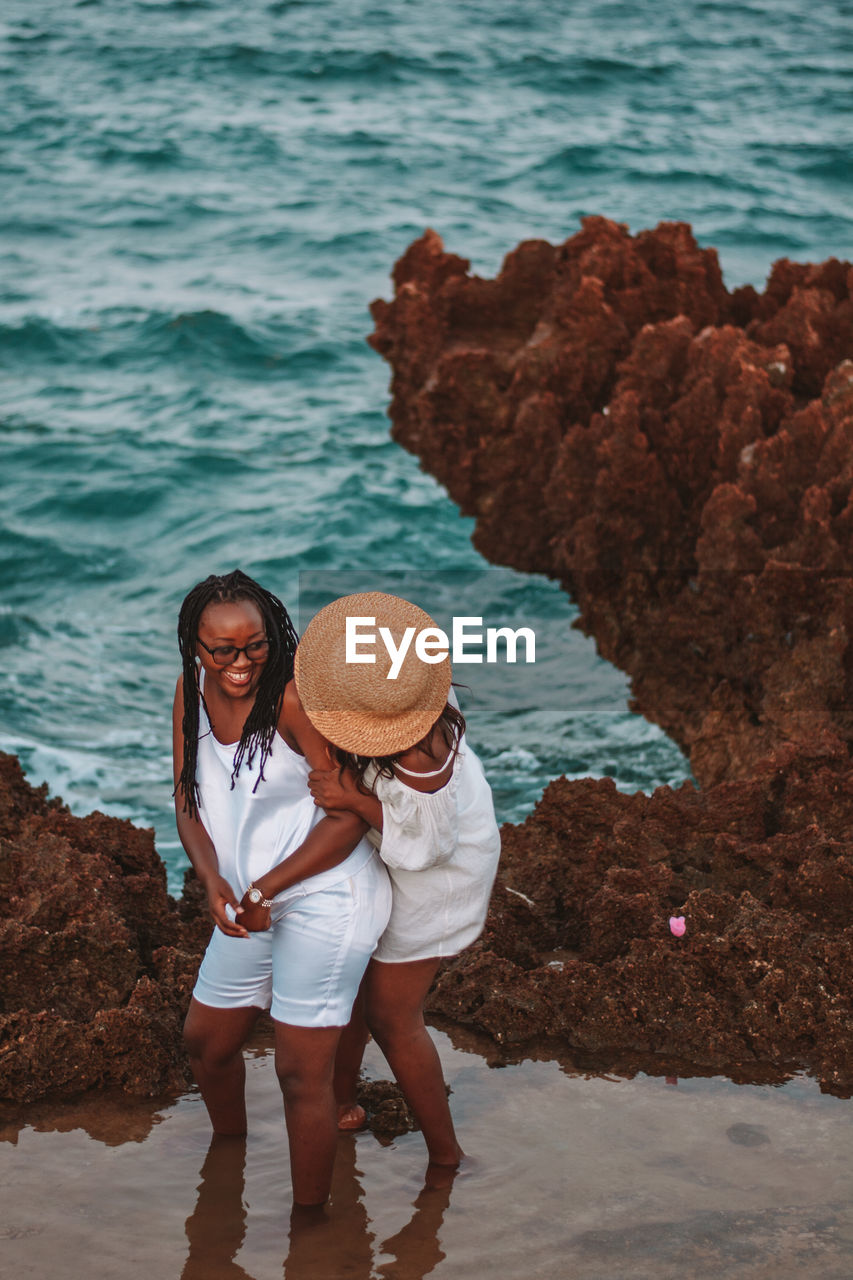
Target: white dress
(441, 850)
(255, 826)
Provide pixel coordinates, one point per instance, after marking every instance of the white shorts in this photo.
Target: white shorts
(307, 967)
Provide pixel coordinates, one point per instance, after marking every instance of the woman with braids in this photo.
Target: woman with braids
(405, 768)
(298, 898)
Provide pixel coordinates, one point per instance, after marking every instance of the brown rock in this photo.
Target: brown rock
(97, 960)
(680, 458)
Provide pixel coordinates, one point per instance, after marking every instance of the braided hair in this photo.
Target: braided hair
(259, 730)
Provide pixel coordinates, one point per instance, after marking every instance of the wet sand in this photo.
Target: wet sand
(594, 1177)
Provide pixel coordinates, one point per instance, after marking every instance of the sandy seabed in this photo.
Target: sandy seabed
(595, 1177)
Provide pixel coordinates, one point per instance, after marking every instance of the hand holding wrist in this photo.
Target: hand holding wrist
(257, 896)
(255, 910)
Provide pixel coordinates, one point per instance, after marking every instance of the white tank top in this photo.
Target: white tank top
(254, 830)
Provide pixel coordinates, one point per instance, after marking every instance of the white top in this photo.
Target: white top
(252, 831)
(433, 773)
(441, 849)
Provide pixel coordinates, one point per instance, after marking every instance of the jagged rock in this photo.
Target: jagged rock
(97, 960)
(387, 1112)
(677, 456)
(680, 458)
(764, 972)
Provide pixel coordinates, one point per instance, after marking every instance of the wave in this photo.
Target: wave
(26, 40)
(17, 627)
(117, 149)
(213, 339)
(559, 72)
(577, 158)
(830, 161)
(36, 340)
(318, 63)
(630, 169)
(178, 6)
(208, 339)
(25, 557)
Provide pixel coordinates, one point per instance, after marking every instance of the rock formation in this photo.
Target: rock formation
(578, 947)
(680, 458)
(97, 960)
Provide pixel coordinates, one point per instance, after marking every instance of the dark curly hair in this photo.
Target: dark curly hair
(259, 729)
(451, 725)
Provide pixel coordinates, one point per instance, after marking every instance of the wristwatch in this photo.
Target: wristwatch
(256, 898)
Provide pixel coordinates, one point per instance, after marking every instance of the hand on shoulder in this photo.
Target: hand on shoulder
(299, 733)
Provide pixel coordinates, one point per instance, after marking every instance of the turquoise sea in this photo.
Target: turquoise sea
(200, 199)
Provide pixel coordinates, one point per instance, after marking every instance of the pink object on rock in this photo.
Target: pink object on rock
(677, 925)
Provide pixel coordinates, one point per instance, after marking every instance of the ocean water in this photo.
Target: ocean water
(200, 199)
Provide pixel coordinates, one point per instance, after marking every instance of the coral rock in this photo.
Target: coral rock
(97, 960)
(680, 459)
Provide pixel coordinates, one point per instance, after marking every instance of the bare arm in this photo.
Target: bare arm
(197, 843)
(335, 789)
(336, 835)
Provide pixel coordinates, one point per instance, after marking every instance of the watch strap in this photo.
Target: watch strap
(260, 901)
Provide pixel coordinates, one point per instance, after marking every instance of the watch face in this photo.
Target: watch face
(255, 895)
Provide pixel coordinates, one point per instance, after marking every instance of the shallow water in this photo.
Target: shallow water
(594, 1177)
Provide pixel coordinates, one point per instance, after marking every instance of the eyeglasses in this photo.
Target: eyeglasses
(223, 654)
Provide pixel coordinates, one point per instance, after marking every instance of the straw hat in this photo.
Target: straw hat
(355, 705)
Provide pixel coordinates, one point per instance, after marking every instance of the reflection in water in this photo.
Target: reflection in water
(629, 1158)
(415, 1250)
(332, 1243)
(107, 1115)
(338, 1244)
(217, 1226)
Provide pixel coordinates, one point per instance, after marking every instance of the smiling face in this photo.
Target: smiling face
(238, 623)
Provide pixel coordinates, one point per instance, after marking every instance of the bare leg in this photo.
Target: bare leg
(395, 1015)
(347, 1066)
(214, 1039)
(305, 1063)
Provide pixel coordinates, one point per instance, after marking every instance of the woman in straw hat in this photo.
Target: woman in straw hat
(299, 899)
(405, 768)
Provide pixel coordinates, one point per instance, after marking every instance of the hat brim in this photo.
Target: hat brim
(357, 706)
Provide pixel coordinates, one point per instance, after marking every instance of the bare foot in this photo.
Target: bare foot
(351, 1117)
(438, 1176)
(306, 1217)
